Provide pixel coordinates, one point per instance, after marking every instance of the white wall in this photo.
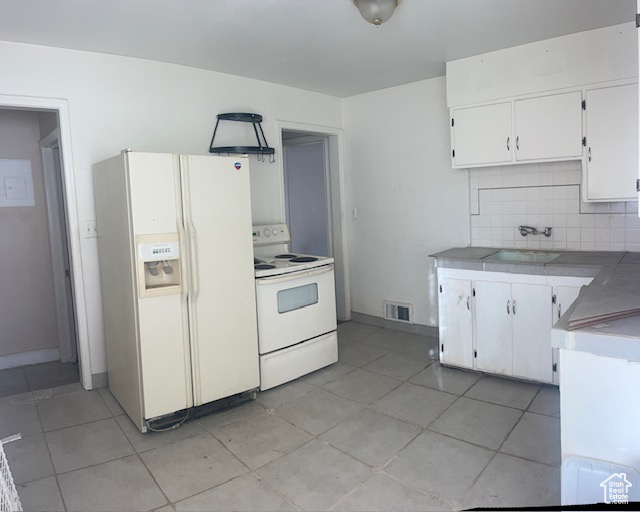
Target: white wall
(410, 202)
(117, 102)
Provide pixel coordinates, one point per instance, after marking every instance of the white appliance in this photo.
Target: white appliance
(296, 301)
(177, 280)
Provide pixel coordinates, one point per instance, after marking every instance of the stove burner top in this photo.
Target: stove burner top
(264, 266)
(303, 259)
(256, 261)
(286, 256)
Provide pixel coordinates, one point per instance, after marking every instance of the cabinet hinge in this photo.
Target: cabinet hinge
(553, 299)
(638, 20)
(452, 121)
(584, 104)
(453, 153)
(475, 353)
(440, 288)
(555, 367)
(584, 141)
(638, 185)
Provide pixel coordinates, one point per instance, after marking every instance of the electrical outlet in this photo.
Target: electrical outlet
(90, 229)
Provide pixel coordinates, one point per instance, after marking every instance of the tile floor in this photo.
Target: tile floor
(14, 381)
(386, 428)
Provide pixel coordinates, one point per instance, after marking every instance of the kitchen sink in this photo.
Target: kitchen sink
(510, 256)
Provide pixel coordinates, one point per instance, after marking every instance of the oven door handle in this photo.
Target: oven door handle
(294, 275)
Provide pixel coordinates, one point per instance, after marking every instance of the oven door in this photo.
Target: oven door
(295, 307)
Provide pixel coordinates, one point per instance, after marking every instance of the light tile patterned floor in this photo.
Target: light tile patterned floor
(386, 428)
(35, 377)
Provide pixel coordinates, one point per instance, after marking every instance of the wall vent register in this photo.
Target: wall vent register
(398, 311)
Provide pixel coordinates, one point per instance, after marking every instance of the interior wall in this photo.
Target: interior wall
(48, 121)
(27, 303)
(119, 102)
(307, 208)
(409, 201)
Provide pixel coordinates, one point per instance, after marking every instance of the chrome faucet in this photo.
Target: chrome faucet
(528, 230)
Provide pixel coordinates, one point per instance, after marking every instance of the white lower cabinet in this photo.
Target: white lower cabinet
(531, 318)
(493, 352)
(513, 329)
(563, 296)
(501, 323)
(455, 320)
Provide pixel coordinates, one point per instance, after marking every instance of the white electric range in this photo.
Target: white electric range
(296, 304)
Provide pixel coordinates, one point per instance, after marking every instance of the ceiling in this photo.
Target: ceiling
(318, 45)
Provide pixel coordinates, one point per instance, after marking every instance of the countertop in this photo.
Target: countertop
(615, 287)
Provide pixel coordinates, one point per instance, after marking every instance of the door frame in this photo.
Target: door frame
(73, 226)
(337, 194)
(56, 220)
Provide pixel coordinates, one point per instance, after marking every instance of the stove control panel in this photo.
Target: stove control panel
(271, 234)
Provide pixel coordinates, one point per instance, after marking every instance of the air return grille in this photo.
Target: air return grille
(398, 311)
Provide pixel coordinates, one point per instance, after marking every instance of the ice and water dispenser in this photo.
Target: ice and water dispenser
(158, 264)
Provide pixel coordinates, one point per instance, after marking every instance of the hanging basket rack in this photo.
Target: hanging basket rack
(262, 149)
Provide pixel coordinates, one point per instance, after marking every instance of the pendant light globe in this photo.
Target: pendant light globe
(376, 11)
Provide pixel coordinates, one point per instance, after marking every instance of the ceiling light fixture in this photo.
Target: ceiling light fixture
(376, 11)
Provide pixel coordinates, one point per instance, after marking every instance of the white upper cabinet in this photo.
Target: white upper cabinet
(539, 129)
(481, 135)
(544, 83)
(611, 160)
(548, 127)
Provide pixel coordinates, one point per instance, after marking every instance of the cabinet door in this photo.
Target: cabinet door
(456, 327)
(493, 327)
(612, 142)
(531, 320)
(565, 296)
(549, 127)
(481, 135)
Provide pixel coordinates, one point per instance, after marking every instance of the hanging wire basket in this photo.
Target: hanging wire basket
(9, 500)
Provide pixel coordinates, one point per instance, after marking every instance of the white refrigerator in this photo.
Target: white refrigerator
(176, 264)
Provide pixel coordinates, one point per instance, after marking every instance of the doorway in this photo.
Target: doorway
(307, 198)
(314, 200)
(38, 349)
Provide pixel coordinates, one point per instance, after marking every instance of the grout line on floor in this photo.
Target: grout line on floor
(154, 479)
(495, 453)
(421, 491)
(53, 466)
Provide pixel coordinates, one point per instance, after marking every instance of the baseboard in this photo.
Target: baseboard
(99, 380)
(422, 330)
(45, 355)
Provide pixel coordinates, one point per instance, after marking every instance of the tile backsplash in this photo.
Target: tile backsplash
(546, 195)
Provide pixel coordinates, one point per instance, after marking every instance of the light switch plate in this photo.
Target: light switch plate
(90, 229)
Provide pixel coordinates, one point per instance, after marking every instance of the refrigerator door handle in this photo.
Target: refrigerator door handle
(194, 258)
(182, 235)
